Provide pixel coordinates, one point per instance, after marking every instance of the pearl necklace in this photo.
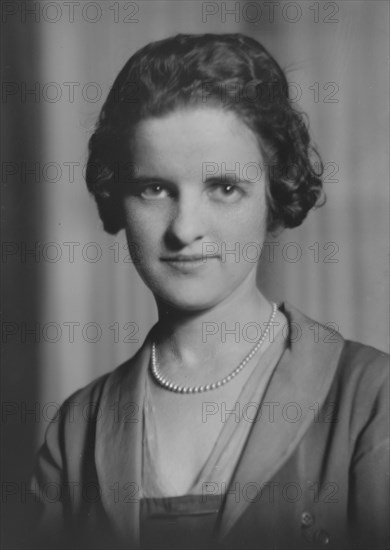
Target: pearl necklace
(167, 384)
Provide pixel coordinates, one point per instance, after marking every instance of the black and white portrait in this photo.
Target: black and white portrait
(195, 275)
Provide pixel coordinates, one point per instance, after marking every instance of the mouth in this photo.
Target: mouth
(188, 258)
(184, 262)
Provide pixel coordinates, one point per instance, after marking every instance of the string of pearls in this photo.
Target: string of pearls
(171, 386)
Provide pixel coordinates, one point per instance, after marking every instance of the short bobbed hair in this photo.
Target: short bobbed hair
(232, 71)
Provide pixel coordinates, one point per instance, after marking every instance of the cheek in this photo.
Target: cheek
(135, 219)
(135, 231)
(143, 230)
(251, 224)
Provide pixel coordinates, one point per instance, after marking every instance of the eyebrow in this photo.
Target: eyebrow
(226, 178)
(229, 179)
(139, 180)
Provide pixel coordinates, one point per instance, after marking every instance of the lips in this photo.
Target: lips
(186, 264)
(187, 258)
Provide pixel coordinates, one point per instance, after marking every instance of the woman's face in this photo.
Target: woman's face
(199, 191)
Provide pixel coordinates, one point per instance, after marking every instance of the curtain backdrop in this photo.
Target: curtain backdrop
(73, 285)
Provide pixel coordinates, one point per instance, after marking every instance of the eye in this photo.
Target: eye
(226, 192)
(154, 191)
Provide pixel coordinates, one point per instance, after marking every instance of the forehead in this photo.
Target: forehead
(181, 142)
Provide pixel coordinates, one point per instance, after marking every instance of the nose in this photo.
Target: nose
(186, 224)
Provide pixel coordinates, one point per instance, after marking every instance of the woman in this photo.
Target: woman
(202, 440)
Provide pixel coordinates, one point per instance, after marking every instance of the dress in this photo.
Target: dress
(313, 472)
(189, 521)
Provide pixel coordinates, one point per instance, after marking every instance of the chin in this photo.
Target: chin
(188, 300)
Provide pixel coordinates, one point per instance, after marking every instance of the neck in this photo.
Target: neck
(210, 339)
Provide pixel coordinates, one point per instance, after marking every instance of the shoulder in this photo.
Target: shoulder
(71, 435)
(358, 392)
(92, 394)
(90, 413)
(324, 340)
(365, 364)
(361, 372)
(363, 383)
(85, 407)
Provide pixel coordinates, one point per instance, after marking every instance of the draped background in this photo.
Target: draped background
(74, 307)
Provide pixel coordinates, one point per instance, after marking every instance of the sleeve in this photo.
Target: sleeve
(64, 465)
(369, 475)
(49, 487)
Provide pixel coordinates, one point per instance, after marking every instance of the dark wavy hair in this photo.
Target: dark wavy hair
(232, 71)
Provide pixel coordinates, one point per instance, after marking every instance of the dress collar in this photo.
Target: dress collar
(301, 380)
(303, 376)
